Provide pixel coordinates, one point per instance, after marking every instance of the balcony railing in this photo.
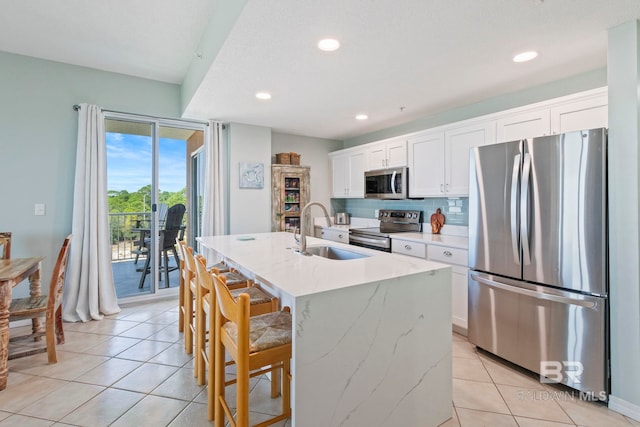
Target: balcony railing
(123, 239)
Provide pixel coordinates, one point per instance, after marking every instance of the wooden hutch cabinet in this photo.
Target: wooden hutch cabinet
(290, 194)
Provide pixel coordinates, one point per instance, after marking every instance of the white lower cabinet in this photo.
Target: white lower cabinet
(341, 236)
(407, 247)
(459, 297)
(458, 259)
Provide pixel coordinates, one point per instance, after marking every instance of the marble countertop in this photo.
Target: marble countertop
(271, 258)
(457, 238)
(338, 227)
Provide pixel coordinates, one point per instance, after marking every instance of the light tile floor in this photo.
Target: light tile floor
(131, 370)
(488, 391)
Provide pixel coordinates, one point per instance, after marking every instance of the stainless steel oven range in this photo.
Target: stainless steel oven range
(391, 221)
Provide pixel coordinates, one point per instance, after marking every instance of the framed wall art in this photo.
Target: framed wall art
(251, 175)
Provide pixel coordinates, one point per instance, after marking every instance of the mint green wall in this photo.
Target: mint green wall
(249, 208)
(590, 80)
(38, 131)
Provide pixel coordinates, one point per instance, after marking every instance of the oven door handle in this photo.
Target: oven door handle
(359, 239)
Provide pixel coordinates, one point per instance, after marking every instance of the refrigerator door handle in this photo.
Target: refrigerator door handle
(534, 294)
(524, 209)
(514, 208)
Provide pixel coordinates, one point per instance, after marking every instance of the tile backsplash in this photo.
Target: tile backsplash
(455, 209)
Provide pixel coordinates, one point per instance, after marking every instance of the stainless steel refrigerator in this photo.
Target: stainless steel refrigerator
(538, 280)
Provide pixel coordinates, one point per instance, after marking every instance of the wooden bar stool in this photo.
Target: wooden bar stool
(261, 303)
(221, 267)
(231, 277)
(193, 297)
(187, 298)
(257, 345)
(181, 312)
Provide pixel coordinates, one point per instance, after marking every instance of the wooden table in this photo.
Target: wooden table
(12, 272)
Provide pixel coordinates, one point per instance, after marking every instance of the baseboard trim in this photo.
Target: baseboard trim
(459, 330)
(623, 407)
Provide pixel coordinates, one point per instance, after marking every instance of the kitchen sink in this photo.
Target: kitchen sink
(331, 252)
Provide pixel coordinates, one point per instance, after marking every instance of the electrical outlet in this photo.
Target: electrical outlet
(39, 209)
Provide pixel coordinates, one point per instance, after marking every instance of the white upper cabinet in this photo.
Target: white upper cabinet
(439, 161)
(438, 158)
(580, 115)
(357, 165)
(528, 124)
(347, 170)
(457, 143)
(339, 172)
(426, 165)
(387, 154)
(578, 112)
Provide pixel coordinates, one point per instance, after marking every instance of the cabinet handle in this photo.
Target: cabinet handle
(446, 188)
(407, 247)
(322, 233)
(447, 253)
(442, 188)
(340, 236)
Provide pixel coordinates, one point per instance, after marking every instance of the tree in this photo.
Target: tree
(121, 201)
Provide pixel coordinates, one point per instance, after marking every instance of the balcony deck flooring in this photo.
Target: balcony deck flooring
(127, 279)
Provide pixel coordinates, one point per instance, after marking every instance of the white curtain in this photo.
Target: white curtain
(89, 289)
(214, 207)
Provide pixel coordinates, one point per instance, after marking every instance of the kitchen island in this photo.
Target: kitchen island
(372, 339)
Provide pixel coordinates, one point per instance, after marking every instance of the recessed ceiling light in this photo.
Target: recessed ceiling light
(362, 117)
(263, 95)
(328, 45)
(525, 56)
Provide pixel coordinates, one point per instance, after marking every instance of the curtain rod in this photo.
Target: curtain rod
(76, 107)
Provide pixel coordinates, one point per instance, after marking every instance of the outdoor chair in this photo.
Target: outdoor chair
(173, 229)
(163, 208)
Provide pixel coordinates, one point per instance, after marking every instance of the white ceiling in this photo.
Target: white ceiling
(425, 55)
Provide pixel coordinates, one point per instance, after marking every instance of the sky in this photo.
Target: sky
(129, 162)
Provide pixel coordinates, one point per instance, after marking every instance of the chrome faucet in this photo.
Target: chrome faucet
(302, 240)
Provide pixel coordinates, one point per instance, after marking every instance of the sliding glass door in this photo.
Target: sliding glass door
(148, 162)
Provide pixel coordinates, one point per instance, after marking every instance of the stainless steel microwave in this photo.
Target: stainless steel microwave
(386, 184)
